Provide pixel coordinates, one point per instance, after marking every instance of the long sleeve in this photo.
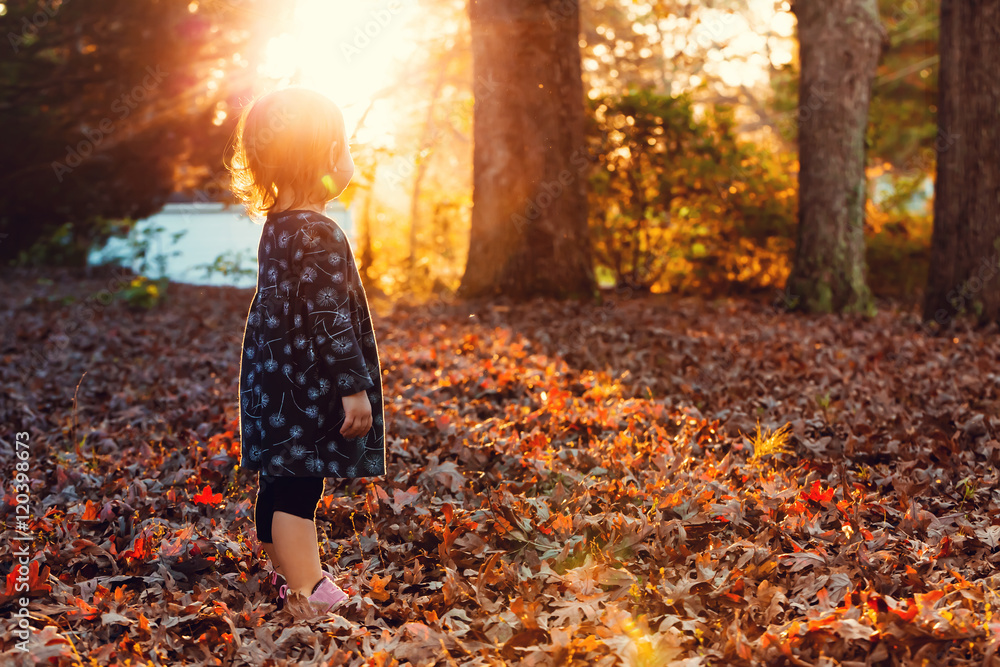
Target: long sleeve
(323, 278)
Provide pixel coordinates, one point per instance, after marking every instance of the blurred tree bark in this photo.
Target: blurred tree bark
(965, 246)
(529, 234)
(840, 43)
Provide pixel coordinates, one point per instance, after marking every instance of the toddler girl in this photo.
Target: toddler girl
(310, 380)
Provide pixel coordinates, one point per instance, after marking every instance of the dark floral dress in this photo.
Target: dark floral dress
(308, 342)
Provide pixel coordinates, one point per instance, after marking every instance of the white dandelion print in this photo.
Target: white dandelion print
(300, 377)
(273, 322)
(298, 254)
(313, 393)
(277, 419)
(341, 344)
(301, 341)
(287, 350)
(264, 400)
(271, 365)
(324, 385)
(336, 258)
(308, 274)
(254, 319)
(283, 239)
(298, 320)
(312, 411)
(333, 467)
(249, 352)
(337, 278)
(345, 381)
(326, 296)
(295, 431)
(272, 274)
(314, 464)
(297, 451)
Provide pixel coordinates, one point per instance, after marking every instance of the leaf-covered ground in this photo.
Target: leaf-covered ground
(569, 485)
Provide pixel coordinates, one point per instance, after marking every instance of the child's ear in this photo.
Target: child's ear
(336, 152)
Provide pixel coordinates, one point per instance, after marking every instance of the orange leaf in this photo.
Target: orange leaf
(378, 591)
(909, 613)
(89, 512)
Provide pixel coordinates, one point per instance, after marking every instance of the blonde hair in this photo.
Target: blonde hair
(283, 144)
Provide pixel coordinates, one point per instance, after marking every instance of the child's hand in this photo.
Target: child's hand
(357, 415)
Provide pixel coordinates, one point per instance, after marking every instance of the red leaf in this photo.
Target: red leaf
(816, 495)
(206, 497)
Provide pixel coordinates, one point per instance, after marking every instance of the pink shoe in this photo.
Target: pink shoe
(283, 591)
(328, 595)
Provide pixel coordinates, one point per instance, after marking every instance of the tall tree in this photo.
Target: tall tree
(839, 47)
(529, 232)
(965, 246)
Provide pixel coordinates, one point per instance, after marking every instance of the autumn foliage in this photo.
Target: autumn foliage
(569, 485)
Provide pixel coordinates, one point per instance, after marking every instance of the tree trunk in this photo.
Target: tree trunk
(529, 233)
(839, 49)
(367, 255)
(965, 246)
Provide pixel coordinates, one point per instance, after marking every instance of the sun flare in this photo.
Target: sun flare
(349, 51)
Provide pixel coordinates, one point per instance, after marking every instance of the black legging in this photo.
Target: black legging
(294, 495)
